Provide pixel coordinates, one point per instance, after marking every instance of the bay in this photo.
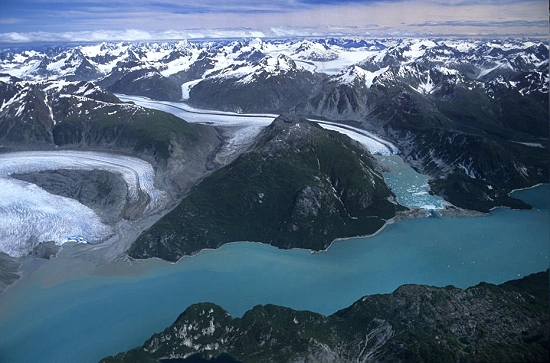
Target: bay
(86, 316)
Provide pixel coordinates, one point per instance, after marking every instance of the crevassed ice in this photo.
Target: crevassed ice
(30, 215)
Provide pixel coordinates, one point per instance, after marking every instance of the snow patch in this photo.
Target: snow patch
(530, 144)
(356, 73)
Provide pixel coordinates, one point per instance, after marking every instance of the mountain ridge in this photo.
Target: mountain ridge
(471, 114)
(298, 186)
(415, 323)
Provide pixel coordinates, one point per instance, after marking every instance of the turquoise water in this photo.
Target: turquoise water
(87, 318)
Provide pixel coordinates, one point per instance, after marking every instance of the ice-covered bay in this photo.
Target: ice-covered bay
(410, 187)
(30, 215)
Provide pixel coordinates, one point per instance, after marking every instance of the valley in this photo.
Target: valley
(240, 132)
(117, 158)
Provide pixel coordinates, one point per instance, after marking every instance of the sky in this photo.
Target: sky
(98, 20)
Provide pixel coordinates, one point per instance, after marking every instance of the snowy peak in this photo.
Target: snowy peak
(281, 64)
(308, 50)
(246, 72)
(358, 76)
(425, 63)
(25, 114)
(24, 100)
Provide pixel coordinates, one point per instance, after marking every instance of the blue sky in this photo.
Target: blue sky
(27, 20)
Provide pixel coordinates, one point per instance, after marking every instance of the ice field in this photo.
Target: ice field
(30, 215)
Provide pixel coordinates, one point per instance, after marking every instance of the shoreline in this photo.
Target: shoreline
(102, 262)
(527, 188)
(163, 282)
(108, 259)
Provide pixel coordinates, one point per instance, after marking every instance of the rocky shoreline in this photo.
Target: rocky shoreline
(415, 323)
(126, 232)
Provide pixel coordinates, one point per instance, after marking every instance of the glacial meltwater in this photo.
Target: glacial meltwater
(82, 317)
(410, 187)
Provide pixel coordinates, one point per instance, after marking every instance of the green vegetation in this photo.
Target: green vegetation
(117, 125)
(489, 323)
(301, 186)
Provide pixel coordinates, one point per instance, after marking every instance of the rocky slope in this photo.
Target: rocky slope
(148, 82)
(415, 323)
(300, 186)
(474, 118)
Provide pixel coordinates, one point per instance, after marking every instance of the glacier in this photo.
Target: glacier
(244, 127)
(29, 215)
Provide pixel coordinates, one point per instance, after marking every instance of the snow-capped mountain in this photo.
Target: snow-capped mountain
(190, 63)
(315, 51)
(31, 110)
(45, 115)
(426, 64)
(415, 92)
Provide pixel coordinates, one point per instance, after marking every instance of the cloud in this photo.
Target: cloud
(489, 24)
(15, 38)
(63, 20)
(9, 21)
(128, 35)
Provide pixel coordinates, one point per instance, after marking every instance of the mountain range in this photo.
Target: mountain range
(472, 114)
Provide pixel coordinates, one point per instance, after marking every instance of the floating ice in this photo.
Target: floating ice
(410, 187)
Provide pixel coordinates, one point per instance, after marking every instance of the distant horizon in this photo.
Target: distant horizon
(25, 21)
(82, 41)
